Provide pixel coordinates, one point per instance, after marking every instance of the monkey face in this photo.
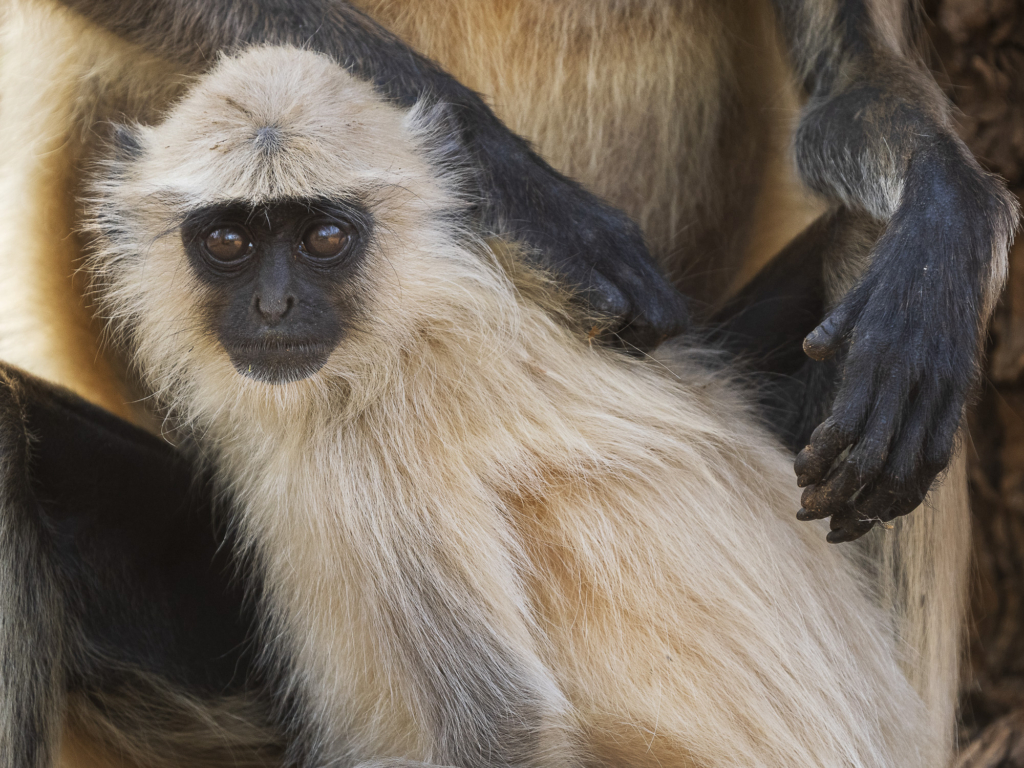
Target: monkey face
(285, 233)
(280, 279)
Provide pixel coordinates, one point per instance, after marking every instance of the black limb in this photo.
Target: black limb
(115, 569)
(32, 610)
(876, 136)
(596, 248)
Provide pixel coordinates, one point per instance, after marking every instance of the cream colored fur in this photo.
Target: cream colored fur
(611, 91)
(624, 536)
(59, 80)
(646, 102)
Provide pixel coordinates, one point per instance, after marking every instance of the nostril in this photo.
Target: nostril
(276, 309)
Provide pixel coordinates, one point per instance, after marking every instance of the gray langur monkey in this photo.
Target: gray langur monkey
(583, 81)
(481, 540)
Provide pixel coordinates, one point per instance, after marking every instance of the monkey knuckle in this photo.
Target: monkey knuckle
(846, 426)
(868, 462)
(814, 466)
(805, 467)
(813, 499)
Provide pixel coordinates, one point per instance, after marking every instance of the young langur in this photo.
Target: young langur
(481, 540)
(659, 107)
(653, 105)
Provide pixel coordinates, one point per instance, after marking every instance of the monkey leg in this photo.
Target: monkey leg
(32, 609)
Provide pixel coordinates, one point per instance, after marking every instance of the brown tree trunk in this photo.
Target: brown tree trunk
(979, 55)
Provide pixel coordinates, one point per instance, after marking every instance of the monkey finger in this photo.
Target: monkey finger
(871, 451)
(848, 530)
(828, 497)
(903, 505)
(655, 311)
(894, 489)
(881, 503)
(805, 515)
(823, 342)
(853, 406)
(827, 441)
(642, 332)
(940, 443)
(924, 446)
(602, 295)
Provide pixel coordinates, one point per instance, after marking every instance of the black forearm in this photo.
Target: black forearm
(876, 136)
(194, 32)
(872, 106)
(831, 42)
(512, 179)
(597, 249)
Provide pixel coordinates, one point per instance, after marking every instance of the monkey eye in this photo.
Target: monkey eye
(326, 241)
(228, 244)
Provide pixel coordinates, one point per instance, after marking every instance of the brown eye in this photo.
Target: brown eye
(228, 244)
(325, 241)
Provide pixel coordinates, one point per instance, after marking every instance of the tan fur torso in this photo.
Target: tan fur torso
(470, 514)
(678, 112)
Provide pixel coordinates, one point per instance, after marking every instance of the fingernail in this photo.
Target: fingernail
(818, 343)
(839, 536)
(806, 515)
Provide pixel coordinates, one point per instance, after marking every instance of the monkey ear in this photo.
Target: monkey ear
(125, 142)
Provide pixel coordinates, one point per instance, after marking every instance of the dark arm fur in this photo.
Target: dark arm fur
(597, 248)
(116, 583)
(876, 136)
(32, 609)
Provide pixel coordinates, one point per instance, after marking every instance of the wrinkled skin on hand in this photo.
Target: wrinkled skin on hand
(909, 341)
(600, 253)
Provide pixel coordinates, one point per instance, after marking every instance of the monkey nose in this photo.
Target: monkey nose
(274, 309)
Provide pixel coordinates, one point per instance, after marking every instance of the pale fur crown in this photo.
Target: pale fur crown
(280, 122)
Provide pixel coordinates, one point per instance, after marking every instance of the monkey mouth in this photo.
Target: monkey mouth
(279, 362)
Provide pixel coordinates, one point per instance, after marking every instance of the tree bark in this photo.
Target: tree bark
(977, 49)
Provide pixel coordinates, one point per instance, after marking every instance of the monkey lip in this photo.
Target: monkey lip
(279, 362)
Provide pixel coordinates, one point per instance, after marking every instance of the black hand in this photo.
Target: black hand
(597, 248)
(909, 340)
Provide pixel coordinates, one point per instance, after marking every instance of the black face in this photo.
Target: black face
(283, 279)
